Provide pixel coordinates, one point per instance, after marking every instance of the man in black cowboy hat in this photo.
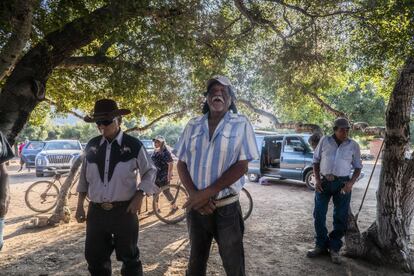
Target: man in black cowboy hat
(109, 179)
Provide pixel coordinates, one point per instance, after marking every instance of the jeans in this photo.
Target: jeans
(226, 226)
(331, 189)
(1, 232)
(166, 192)
(109, 230)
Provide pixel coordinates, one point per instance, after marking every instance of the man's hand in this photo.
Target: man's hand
(80, 215)
(135, 204)
(318, 186)
(198, 199)
(208, 208)
(348, 187)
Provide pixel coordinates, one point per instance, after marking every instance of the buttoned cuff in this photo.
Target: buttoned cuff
(149, 188)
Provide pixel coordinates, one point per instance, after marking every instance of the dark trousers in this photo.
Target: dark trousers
(109, 230)
(226, 226)
(166, 192)
(331, 189)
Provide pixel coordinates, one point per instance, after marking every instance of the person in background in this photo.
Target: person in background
(314, 140)
(6, 154)
(163, 161)
(333, 160)
(22, 162)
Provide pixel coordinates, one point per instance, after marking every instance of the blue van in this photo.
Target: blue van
(283, 156)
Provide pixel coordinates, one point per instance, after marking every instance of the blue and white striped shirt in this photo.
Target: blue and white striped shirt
(232, 141)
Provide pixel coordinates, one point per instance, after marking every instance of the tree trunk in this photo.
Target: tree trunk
(387, 240)
(62, 212)
(21, 21)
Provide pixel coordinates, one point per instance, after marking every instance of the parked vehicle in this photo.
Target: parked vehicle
(29, 152)
(149, 146)
(57, 155)
(283, 156)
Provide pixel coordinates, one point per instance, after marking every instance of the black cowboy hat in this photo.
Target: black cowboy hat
(105, 109)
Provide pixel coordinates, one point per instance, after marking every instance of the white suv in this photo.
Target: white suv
(57, 155)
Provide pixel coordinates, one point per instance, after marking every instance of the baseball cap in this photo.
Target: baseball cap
(221, 79)
(341, 123)
(159, 138)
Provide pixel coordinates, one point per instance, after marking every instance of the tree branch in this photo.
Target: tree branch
(97, 60)
(256, 18)
(270, 116)
(325, 106)
(297, 126)
(25, 87)
(313, 15)
(147, 126)
(66, 110)
(22, 26)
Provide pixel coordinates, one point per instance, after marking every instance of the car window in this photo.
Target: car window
(291, 143)
(35, 145)
(259, 142)
(148, 144)
(63, 145)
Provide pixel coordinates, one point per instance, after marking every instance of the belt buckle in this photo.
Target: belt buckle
(107, 206)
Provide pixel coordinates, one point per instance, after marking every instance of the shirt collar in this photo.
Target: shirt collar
(332, 138)
(118, 138)
(219, 127)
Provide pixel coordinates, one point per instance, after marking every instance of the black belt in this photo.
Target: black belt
(107, 206)
(332, 177)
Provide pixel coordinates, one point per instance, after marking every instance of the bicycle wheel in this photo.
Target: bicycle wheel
(246, 203)
(168, 203)
(41, 196)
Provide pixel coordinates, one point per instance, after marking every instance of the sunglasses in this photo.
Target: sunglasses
(104, 122)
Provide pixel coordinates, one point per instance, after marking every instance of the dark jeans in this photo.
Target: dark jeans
(166, 192)
(340, 214)
(226, 226)
(109, 230)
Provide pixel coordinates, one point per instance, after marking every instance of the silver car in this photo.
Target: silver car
(57, 155)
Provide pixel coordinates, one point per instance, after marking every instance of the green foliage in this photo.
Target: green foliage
(47, 131)
(170, 130)
(160, 64)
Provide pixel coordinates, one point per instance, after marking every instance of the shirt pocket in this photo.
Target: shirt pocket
(229, 142)
(196, 142)
(347, 155)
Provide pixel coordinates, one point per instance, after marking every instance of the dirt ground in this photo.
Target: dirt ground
(278, 234)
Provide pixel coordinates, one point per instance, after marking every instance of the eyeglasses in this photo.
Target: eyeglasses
(104, 122)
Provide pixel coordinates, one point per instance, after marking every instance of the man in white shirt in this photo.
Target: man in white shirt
(333, 161)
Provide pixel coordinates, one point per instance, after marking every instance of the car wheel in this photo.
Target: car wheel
(253, 177)
(310, 180)
(39, 174)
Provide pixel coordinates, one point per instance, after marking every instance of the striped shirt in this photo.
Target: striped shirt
(337, 160)
(233, 140)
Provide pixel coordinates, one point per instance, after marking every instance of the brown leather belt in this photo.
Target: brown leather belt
(107, 206)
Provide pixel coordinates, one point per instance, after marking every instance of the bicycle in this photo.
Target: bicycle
(42, 195)
(167, 203)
